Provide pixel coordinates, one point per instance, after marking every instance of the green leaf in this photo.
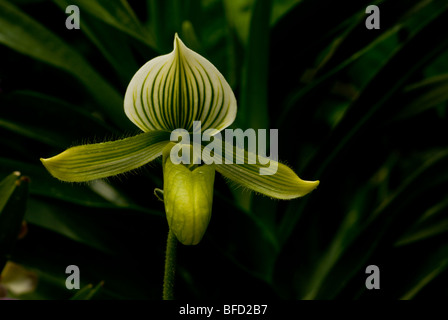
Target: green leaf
(424, 233)
(165, 18)
(344, 237)
(282, 7)
(238, 17)
(53, 122)
(239, 14)
(117, 14)
(362, 239)
(13, 196)
(415, 24)
(27, 36)
(254, 96)
(86, 195)
(433, 266)
(7, 187)
(88, 292)
(101, 160)
(106, 230)
(253, 102)
(244, 239)
(36, 134)
(362, 112)
(425, 95)
(112, 44)
(173, 90)
(427, 226)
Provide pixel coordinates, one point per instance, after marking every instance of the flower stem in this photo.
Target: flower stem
(170, 267)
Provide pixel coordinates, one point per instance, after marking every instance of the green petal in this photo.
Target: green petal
(173, 90)
(284, 184)
(101, 160)
(188, 197)
(277, 181)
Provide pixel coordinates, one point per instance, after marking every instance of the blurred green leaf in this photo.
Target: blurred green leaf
(412, 24)
(53, 122)
(27, 36)
(117, 14)
(80, 194)
(282, 7)
(433, 267)
(425, 95)
(7, 187)
(253, 109)
(112, 44)
(13, 197)
(255, 255)
(165, 20)
(367, 237)
(431, 223)
(88, 292)
(344, 237)
(424, 233)
(238, 15)
(359, 115)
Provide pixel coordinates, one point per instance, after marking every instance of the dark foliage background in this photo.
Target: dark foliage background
(363, 111)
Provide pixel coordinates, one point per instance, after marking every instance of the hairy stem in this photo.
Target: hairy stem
(170, 267)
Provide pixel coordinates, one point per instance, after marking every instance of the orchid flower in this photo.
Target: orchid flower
(16, 280)
(171, 92)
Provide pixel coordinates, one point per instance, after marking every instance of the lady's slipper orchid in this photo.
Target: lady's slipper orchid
(170, 92)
